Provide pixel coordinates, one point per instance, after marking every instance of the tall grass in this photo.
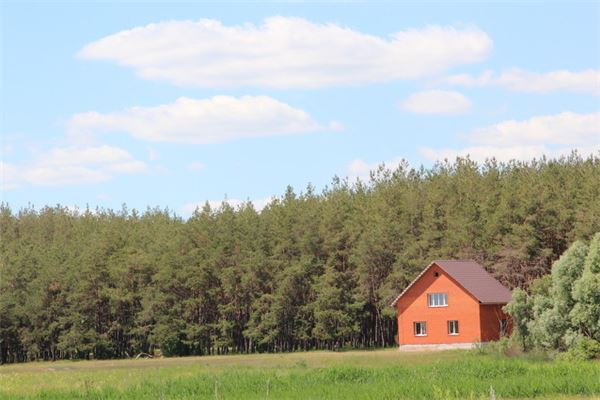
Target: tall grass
(461, 375)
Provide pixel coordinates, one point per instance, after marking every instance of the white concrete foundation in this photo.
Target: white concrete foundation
(437, 347)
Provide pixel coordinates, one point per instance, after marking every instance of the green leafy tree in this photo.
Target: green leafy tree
(585, 315)
(520, 309)
(550, 323)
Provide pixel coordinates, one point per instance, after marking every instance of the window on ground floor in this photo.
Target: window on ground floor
(453, 327)
(437, 299)
(420, 328)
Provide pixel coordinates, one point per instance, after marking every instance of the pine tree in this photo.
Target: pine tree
(310, 270)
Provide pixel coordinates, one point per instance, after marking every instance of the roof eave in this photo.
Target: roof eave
(493, 302)
(393, 304)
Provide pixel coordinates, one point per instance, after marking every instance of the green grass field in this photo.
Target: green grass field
(383, 374)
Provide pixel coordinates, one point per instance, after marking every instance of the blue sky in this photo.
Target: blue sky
(99, 107)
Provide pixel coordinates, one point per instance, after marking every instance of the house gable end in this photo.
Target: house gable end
(415, 285)
(423, 273)
(478, 283)
(413, 307)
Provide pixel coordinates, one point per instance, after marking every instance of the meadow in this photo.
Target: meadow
(381, 374)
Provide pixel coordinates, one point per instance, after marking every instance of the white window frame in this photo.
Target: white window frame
(437, 299)
(423, 329)
(453, 328)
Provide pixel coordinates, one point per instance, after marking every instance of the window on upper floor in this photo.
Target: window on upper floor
(420, 328)
(453, 327)
(437, 299)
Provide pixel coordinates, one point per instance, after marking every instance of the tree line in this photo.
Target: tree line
(309, 271)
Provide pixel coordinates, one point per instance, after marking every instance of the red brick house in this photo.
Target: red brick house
(451, 304)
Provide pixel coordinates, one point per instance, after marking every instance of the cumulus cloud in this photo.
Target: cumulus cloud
(258, 204)
(482, 153)
(436, 102)
(567, 128)
(285, 52)
(360, 169)
(550, 135)
(519, 80)
(71, 165)
(217, 119)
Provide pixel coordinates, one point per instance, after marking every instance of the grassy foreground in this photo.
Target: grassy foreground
(383, 374)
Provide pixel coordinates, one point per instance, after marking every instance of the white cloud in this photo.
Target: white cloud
(359, 169)
(436, 102)
(71, 165)
(336, 126)
(519, 80)
(9, 176)
(258, 204)
(566, 128)
(153, 155)
(218, 119)
(481, 153)
(285, 52)
(6, 149)
(195, 166)
(550, 135)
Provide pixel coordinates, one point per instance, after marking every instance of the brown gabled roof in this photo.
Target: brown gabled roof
(473, 278)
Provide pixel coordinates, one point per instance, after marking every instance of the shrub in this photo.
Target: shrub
(511, 347)
(585, 349)
(500, 347)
